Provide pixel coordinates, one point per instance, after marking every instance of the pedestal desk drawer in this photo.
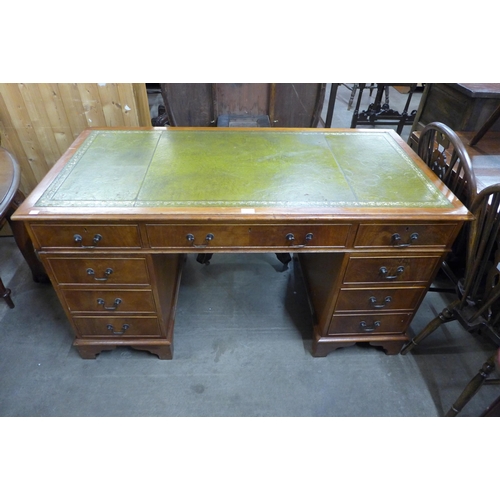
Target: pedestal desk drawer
(403, 236)
(117, 326)
(106, 301)
(87, 236)
(99, 271)
(361, 324)
(237, 236)
(378, 299)
(379, 269)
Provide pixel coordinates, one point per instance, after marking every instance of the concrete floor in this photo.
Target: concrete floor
(242, 347)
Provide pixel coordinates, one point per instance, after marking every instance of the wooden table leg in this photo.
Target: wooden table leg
(24, 242)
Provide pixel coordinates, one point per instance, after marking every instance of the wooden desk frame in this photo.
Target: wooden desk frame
(117, 270)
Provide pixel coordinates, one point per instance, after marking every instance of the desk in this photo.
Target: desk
(113, 219)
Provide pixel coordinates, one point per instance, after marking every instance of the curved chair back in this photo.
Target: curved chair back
(445, 154)
(481, 285)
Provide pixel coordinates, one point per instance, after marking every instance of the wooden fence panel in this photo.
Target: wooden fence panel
(39, 121)
(21, 125)
(70, 95)
(56, 113)
(11, 141)
(92, 105)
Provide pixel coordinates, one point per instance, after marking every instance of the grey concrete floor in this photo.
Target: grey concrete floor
(242, 347)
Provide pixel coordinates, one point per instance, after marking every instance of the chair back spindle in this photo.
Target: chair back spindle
(443, 151)
(482, 280)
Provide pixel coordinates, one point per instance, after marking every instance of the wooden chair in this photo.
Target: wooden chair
(471, 389)
(10, 199)
(477, 302)
(445, 154)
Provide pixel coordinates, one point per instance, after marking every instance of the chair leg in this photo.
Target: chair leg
(445, 316)
(284, 258)
(5, 294)
(204, 258)
(472, 387)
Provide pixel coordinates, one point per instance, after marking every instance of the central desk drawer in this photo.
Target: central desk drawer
(87, 236)
(106, 301)
(240, 235)
(117, 326)
(99, 271)
(381, 269)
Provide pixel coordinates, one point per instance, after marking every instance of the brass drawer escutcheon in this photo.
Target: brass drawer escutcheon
(78, 239)
(115, 305)
(107, 273)
(373, 302)
(365, 328)
(120, 332)
(208, 238)
(290, 237)
(396, 239)
(385, 273)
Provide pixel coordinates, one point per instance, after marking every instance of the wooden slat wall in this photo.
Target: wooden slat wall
(39, 121)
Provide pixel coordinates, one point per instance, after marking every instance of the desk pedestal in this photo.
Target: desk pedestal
(366, 297)
(115, 300)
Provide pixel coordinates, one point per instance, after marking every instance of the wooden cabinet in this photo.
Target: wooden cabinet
(461, 106)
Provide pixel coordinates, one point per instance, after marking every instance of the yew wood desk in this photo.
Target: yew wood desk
(114, 218)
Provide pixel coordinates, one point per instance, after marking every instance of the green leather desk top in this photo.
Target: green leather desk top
(241, 168)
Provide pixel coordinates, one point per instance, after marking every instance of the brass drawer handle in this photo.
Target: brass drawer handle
(107, 273)
(208, 238)
(396, 238)
(121, 332)
(367, 328)
(373, 302)
(290, 237)
(384, 271)
(115, 305)
(78, 239)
